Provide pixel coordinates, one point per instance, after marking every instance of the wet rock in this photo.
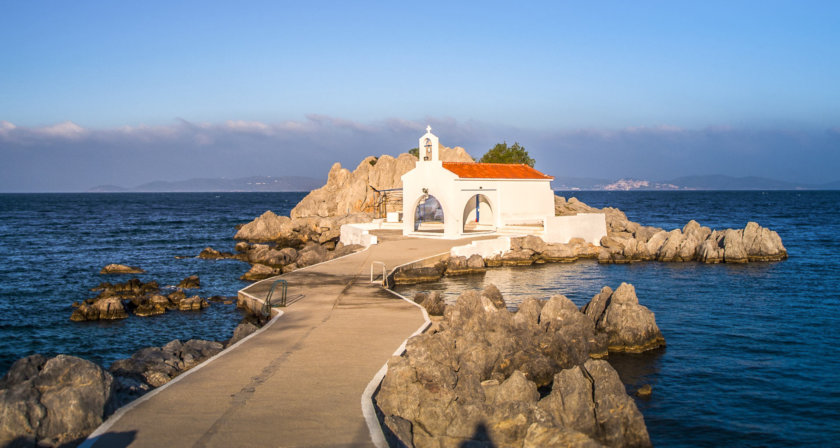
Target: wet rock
(121, 269)
(629, 326)
(208, 253)
(53, 402)
(106, 308)
(191, 282)
(149, 308)
(644, 391)
(194, 303)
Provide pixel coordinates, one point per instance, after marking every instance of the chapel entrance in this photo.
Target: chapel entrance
(428, 215)
(478, 215)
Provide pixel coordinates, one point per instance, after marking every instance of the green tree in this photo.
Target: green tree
(502, 153)
(415, 152)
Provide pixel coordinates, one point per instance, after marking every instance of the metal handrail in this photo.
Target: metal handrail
(267, 305)
(384, 275)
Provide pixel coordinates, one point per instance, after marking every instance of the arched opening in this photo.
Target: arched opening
(478, 215)
(428, 215)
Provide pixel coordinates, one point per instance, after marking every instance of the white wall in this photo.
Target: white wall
(589, 226)
(358, 234)
(485, 248)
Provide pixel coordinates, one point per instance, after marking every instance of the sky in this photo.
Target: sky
(124, 93)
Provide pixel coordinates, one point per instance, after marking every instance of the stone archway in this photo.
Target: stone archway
(478, 215)
(428, 215)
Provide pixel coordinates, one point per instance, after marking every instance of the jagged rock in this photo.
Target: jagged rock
(191, 282)
(268, 227)
(175, 298)
(106, 308)
(259, 272)
(121, 269)
(434, 304)
(194, 303)
(312, 254)
(149, 308)
(156, 366)
(208, 253)
(492, 292)
(352, 192)
(474, 380)
(53, 402)
(629, 327)
(243, 330)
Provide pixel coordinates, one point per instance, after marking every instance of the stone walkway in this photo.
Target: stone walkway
(300, 381)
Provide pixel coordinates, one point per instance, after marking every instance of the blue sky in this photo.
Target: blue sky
(648, 83)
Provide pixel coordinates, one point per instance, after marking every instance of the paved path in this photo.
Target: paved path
(300, 381)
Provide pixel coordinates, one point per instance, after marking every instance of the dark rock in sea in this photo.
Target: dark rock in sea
(191, 282)
(53, 402)
(194, 303)
(629, 326)
(121, 269)
(644, 391)
(475, 381)
(208, 253)
(106, 308)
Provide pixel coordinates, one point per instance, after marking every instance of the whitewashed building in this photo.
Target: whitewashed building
(455, 199)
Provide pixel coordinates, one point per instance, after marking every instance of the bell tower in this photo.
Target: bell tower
(428, 147)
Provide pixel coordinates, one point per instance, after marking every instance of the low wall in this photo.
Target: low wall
(485, 248)
(359, 234)
(589, 226)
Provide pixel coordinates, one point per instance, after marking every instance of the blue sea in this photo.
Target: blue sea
(750, 348)
(750, 358)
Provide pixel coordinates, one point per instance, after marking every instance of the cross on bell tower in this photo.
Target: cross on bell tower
(429, 147)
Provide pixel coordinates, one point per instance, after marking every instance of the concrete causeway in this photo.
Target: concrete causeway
(300, 380)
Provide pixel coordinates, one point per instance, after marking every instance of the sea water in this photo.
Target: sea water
(750, 358)
(750, 348)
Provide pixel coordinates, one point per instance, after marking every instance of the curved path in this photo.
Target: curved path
(299, 382)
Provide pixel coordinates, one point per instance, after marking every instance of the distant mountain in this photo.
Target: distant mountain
(244, 184)
(710, 182)
(720, 182)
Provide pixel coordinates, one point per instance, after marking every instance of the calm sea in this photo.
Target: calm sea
(750, 358)
(749, 361)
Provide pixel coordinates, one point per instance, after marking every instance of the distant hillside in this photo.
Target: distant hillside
(256, 183)
(710, 182)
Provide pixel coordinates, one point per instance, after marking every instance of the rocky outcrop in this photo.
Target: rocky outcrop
(153, 367)
(349, 192)
(465, 266)
(191, 282)
(121, 269)
(693, 243)
(629, 326)
(476, 380)
(432, 302)
(53, 402)
(259, 272)
(412, 275)
(116, 301)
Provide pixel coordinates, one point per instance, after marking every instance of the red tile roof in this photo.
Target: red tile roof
(494, 171)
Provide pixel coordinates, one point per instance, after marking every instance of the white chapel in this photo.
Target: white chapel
(454, 199)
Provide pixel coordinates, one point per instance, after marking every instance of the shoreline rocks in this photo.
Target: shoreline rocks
(486, 376)
(60, 400)
(118, 300)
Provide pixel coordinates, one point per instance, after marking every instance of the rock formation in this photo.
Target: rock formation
(629, 327)
(490, 376)
(352, 192)
(53, 402)
(121, 269)
(117, 300)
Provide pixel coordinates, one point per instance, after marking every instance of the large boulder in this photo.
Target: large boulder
(475, 380)
(106, 308)
(629, 326)
(268, 227)
(53, 402)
